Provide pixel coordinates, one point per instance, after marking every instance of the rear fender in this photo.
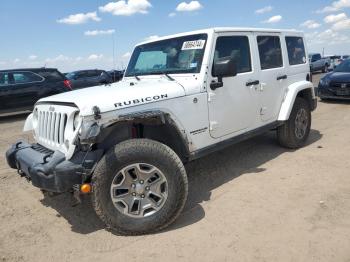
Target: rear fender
(289, 99)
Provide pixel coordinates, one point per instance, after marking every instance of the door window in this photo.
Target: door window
(26, 77)
(296, 50)
(237, 48)
(270, 52)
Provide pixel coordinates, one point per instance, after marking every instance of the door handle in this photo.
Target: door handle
(253, 83)
(282, 77)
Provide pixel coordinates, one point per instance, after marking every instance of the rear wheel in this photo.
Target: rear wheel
(139, 187)
(295, 131)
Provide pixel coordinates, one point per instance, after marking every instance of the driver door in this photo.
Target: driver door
(233, 107)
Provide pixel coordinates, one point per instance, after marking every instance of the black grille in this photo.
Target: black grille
(340, 85)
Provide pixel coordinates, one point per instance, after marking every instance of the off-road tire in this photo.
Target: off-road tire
(286, 133)
(139, 151)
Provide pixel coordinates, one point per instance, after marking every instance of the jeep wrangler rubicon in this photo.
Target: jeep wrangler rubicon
(182, 97)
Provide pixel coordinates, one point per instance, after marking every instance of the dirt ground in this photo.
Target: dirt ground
(254, 201)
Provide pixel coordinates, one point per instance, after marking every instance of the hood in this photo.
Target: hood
(341, 77)
(119, 95)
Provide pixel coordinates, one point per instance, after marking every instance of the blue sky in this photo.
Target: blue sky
(79, 34)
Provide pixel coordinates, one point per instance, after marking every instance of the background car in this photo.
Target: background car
(116, 75)
(336, 85)
(344, 57)
(21, 88)
(317, 63)
(88, 78)
(335, 60)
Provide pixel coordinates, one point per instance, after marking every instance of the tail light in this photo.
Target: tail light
(67, 84)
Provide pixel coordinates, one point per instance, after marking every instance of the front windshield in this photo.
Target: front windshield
(171, 56)
(343, 67)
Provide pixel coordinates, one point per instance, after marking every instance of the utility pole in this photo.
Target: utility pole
(114, 60)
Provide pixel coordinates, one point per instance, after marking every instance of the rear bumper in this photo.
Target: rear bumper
(50, 170)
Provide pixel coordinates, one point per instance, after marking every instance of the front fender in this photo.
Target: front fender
(28, 124)
(290, 96)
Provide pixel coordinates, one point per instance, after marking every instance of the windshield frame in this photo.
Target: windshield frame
(129, 72)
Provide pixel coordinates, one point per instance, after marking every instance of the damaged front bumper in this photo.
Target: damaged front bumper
(50, 170)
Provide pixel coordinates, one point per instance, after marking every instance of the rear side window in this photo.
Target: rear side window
(26, 77)
(296, 50)
(51, 75)
(270, 52)
(4, 79)
(93, 73)
(236, 47)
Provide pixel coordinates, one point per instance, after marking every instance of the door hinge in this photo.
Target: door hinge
(213, 125)
(210, 96)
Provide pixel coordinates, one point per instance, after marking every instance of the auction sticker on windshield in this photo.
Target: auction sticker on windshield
(190, 45)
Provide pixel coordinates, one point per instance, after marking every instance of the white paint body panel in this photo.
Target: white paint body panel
(229, 111)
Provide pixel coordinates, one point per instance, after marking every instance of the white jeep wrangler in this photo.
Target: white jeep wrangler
(182, 97)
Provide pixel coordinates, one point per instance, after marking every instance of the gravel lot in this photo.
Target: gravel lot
(254, 201)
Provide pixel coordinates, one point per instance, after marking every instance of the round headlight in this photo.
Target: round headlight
(76, 120)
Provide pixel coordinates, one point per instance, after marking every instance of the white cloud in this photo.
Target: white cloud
(334, 18)
(172, 14)
(327, 37)
(341, 25)
(310, 24)
(127, 55)
(95, 57)
(264, 10)
(126, 8)
(59, 58)
(189, 7)
(273, 19)
(66, 63)
(99, 32)
(151, 38)
(79, 19)
(335, 6)
(32, 57)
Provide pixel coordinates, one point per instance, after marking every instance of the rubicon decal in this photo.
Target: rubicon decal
(141, 100)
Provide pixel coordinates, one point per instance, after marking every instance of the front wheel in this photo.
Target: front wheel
(295, 131)
(139, 187)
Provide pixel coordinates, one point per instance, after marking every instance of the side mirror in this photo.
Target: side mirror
(224, 67)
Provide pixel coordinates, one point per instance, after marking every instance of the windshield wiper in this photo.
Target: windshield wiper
(168, 76)
(137, 78)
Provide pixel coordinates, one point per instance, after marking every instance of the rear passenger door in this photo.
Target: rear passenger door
(273, 75)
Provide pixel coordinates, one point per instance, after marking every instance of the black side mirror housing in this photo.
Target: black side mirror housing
(224, 67)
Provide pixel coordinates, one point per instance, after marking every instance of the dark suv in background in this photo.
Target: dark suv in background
(21, 88)
(88, 78)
